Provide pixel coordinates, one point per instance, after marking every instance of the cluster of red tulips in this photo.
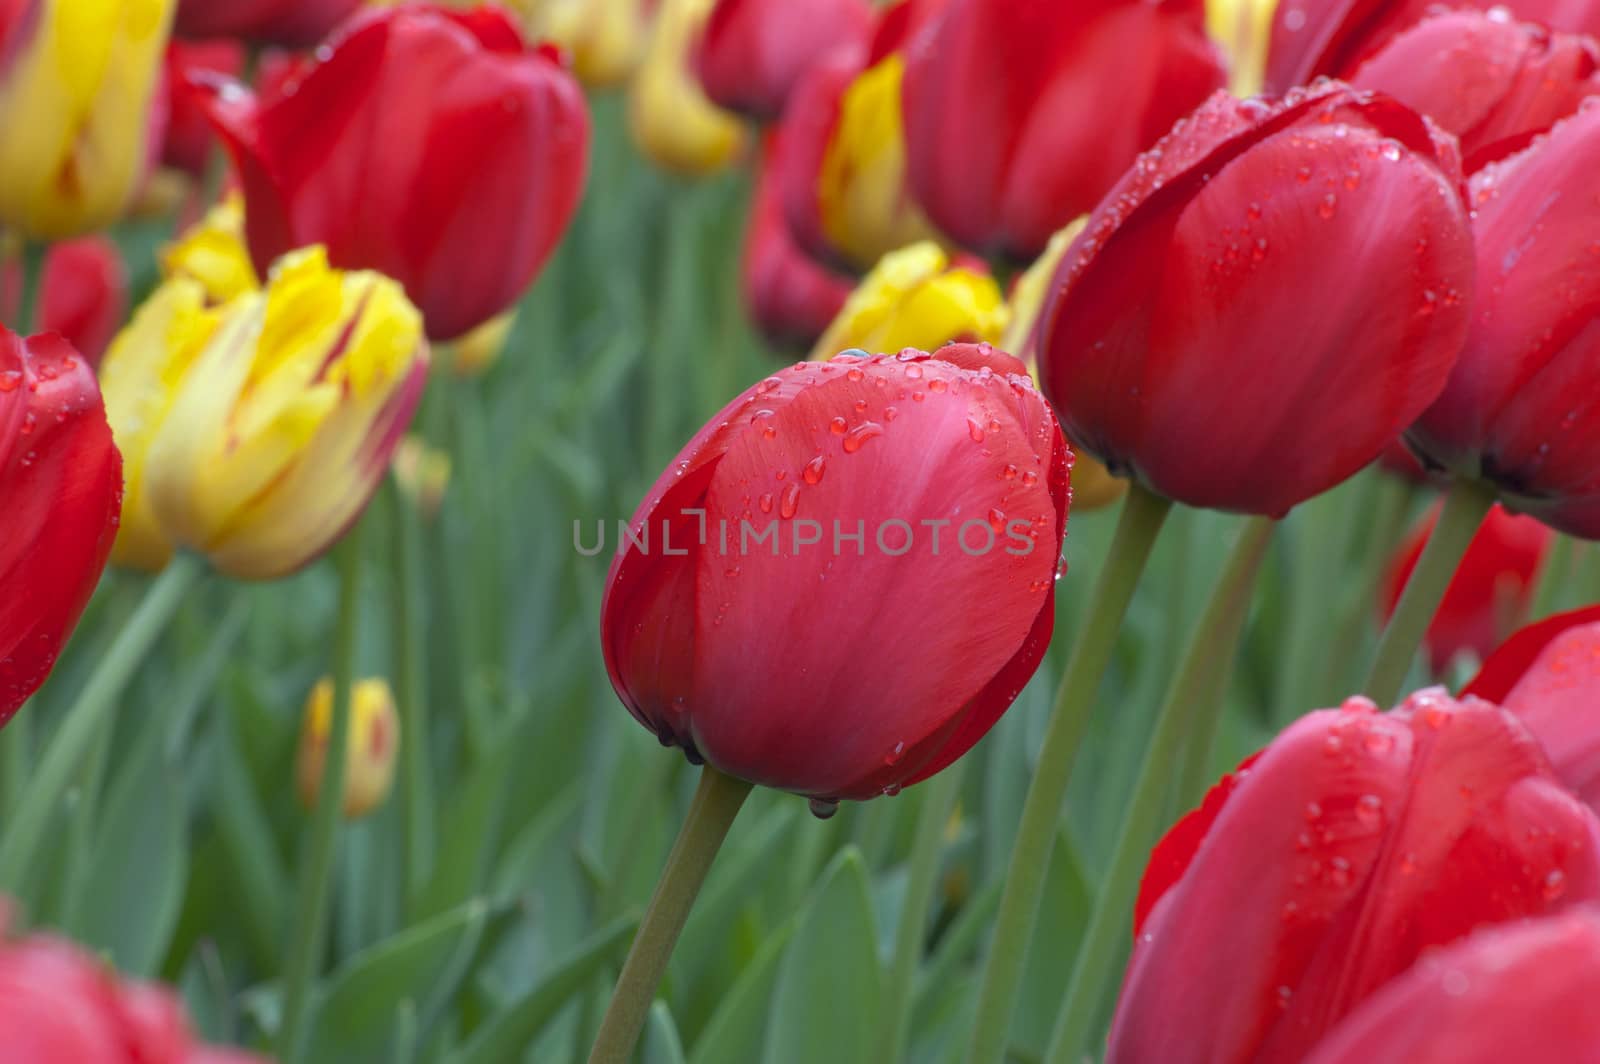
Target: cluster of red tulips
(1213, 298)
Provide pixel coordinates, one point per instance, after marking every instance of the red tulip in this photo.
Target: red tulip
(60, 1004)
(1549, 675)
(189, 141)
(848, 653)
(61, 482)
(1494, 83)
(290, 23)
(483, 145)
(752, 52)
(1330, 862)
(1491, 588)
(1008, 132)
(1334, 37)
(1518, 408)
(1267, 299)
(791, 298)
(83, 293)
(1398, 460)
(1522, 992)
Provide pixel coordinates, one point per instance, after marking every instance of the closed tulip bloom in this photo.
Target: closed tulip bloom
(287, 23)
(1330, 862)
(917, 297)
(1490, 591)
(606, 38)
(422, 473)
(370, 752)
(1008, 133)
(1266, 300)
(256, 431)
(484, 145)
(213, 254)
(752, 52)
(189, 142)
(1521, 992)
(61, 485)
(83, 294)
(61, 1004)
(789, 296)
(1519, 408)
(672, 122)
(1093, 485)
(1493, 82)
(845, 667)
(1311, 38)
(77, 82)
(1548, 674)
(844, 170)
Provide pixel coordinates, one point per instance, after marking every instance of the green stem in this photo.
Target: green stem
(1143, 514)
(1555, 575)
(1464, 510)
(1210, 651)
(938, 798)
(716, 802)
(1389, 516)
(65, 755)
(416, 790)
(316, 878)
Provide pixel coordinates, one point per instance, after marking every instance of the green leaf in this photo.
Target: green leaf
(1062, 915)
(661, 1042)
(133, 890)
(357, 1015)
(513, 1029)
(735, 1031)
(825, 1006)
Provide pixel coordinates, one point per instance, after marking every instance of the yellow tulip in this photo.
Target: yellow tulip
(1243, 28)
(915, 298)
(75, 98)
(254, 432)
(671, 120)
(1093, 486)
(477, 352)
(606, 38)
(422, 474)
(371, 752)
(864, 207)
(214, 253)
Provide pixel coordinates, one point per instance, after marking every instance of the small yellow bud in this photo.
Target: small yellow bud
(422, 474)
(373, 747)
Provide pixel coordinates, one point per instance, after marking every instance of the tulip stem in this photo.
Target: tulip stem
(717, 801)
(1465, 507)
(1208, 656)
(1555, 576)
(417, 792)
(68, 749)
(1143, 514)
(316, 873)
(938, 798)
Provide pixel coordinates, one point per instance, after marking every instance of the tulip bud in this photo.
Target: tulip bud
(1270, 296)
(423, 474)
(790, 297)
(847, 576)
(61, 480)
(844, 170)
(255, 432)
(1493, 82)
(1516, 410)
(370, 753)
(82, 292)
(1093, 485)
(1490, 591)
(188, 143)
(1524, 991)
(1243, 28)
(672, 122)
(754, 51)
(1311, 38)
(476, 353)
(916, 297)
(213, 253)
(76, 87)
(1008, 134)
(464, 230)
(286, 23)
(1329, 862)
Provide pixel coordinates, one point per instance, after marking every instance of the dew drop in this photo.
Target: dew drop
(975, 430)
(1555, 885)
(789, 502)
(1369, 811)
(1029, 479)
(857, 437)
(1008, 471)
(813, 471)
(837, 427)
(771, 384)
(914, 371)
(823, 808)
(765, 502)
(937, 385)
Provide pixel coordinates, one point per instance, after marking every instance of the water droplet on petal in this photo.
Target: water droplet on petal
(812, 473)
(823, 808)
(789, 503)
